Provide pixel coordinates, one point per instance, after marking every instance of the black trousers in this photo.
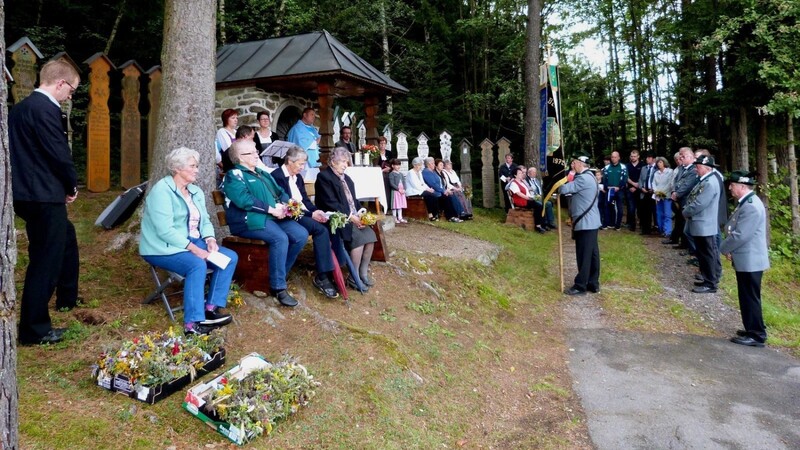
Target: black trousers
(646, 208)
(749, 284)
(53, 263)
(708, 259)
(431, 203)
(587, 254)
(678, 224)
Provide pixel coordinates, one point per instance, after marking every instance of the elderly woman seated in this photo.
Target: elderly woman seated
(257, 210)
(335, 191)
(288, 177)
(177, 235)
(524, 198)
(415, 186)
(453, 183)
(447, 201)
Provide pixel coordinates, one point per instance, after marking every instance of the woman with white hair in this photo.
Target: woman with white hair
(335, 191)
(415, 186)
(178, 236)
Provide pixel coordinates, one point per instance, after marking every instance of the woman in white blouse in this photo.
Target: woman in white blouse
(415, 187)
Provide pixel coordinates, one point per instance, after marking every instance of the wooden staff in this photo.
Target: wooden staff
(560, 242)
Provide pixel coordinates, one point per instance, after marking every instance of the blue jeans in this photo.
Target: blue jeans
(664, 216)
(193, 269)
(285, 239)
(614, 201)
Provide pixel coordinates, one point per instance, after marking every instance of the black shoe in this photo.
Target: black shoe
(540, 230)
(199, 329)
(693, 262)
(704, 290)
(351, 283)
(700, 283)
(53, 336)
(433, 218)
(669, 242)
(574, 291)
(216, 318)
(616, 228)
(454, 220)
(366, 281)
(552, 226)
(326, 287)
(698, 277)
(680, 247)
(746, 340)
(593, 290)
(742, 333)
(603, 228)
(284, 298)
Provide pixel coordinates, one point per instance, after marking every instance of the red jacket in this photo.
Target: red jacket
(520, 199)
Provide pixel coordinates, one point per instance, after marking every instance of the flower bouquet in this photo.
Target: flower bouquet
(660, 195)
(336, 220)
(153, 366)
(250, 399)
(370, 152)
(369, 219)
(294, 209)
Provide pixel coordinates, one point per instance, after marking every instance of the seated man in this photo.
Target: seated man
(535, 187)
(447, 201)
(288, 177)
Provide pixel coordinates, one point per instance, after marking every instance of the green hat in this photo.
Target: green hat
(706, 161)
(743, 177)
(582, 157)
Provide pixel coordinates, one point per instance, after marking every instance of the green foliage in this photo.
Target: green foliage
(783, 243)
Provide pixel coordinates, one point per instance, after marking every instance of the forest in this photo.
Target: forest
(715, 74)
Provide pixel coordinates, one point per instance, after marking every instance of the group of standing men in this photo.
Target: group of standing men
(700, 210)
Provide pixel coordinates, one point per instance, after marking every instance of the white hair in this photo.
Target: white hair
(180, 158)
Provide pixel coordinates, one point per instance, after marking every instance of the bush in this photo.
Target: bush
(783, 243)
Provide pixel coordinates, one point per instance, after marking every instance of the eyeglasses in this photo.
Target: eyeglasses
(71, 87)
(245, 154)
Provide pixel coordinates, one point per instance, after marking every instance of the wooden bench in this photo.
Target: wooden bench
(252, 270)
(521, 217)
(416, 208)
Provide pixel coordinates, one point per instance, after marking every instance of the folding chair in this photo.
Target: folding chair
(173, 279)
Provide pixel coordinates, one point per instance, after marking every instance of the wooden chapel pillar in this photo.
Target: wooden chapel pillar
(325, 99)
(371, 119)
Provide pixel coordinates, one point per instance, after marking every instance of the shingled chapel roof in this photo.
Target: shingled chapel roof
(295, 64)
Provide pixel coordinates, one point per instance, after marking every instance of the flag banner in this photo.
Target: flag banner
(551, 146)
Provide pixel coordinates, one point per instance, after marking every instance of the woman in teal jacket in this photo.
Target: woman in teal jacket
(257, 210)
(178, 236)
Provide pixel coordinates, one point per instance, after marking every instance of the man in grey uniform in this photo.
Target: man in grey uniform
(745, 245)
(585, 222)
(702, 223)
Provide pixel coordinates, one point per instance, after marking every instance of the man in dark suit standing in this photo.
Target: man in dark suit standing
(506, 173)
(745, 245)
(345, 141)
(685, 179)
(44, 181)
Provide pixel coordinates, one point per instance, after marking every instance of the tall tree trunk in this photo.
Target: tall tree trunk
(114, 29)
(281, 17)
(712, 118)
(761, 164)
(742, 156)
(9, 399)
(187, 93)
(222, 37)
(387, 68)
(533, 40)
(793, 176)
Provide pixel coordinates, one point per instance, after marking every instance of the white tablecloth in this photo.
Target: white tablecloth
(369, 184)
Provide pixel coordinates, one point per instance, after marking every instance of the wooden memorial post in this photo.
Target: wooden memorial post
(66, 106)
(402, 151)
(503, 148)
(445, 145)
(25, 56)
(371, 119)
(154, 98)
(487, 173)
(466, 170)
(422, 147)
(131, 129)
(98, 124)
(325, 98)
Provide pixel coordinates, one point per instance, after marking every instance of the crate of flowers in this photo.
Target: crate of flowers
(252, 397)
(153, 366)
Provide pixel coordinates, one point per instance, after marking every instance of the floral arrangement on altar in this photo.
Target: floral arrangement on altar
(255, 403)
(370, 150)
(294, 209)
(369, 219)
(158, 358)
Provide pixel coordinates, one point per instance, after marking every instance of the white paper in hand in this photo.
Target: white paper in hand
(218, 259)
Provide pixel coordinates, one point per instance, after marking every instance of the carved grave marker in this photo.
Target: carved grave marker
(503, 148)
(422, 148)
(402, 151)
(131, 142)
(445, 145)
(25, 56)
(487, 174)
(98, 124)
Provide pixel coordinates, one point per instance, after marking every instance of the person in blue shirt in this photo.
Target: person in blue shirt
(305, 135)
(447, 201)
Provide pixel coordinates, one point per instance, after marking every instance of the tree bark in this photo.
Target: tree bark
(741, 152)
(533, 38)
(186, 112)
(222, 37)
(114, 29)
(793, 194)
(9, 399)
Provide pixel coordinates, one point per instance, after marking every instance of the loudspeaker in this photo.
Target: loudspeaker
(122, 207)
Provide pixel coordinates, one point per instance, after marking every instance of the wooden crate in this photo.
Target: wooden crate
(416, 208)
(252, 270)
(521, 217)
